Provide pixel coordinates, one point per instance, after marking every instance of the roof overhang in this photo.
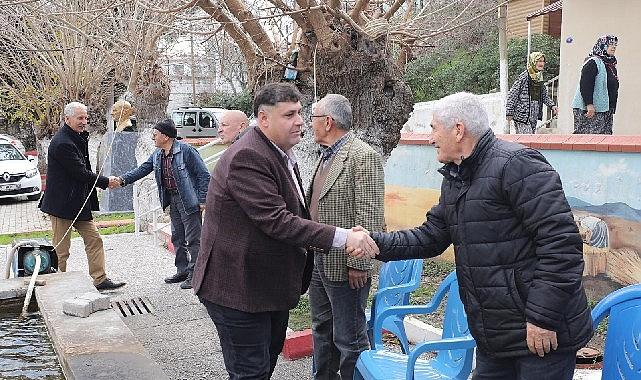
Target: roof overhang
(557, 6)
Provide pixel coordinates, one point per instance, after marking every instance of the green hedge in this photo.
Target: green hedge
(436, 75)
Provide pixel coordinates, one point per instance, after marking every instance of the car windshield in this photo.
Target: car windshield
(9, 152)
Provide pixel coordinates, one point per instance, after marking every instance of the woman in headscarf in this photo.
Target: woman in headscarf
(527, 95)
(596, 95)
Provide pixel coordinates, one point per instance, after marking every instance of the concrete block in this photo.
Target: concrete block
(98, 301)
(77, 307)
(298, 345)
(419, 331)
(8, 294)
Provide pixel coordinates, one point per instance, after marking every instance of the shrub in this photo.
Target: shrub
(436, 74)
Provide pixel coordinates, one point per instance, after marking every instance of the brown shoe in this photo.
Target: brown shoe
(108, 284)
(178, 277)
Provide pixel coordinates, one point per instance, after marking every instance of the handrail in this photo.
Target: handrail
(551, 86)
(215, 141)
(555, 79)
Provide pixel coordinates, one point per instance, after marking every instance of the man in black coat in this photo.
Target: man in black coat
(518, 252)
(70, 194)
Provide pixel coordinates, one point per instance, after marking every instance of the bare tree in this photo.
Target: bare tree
(354, 47)
(57, 51)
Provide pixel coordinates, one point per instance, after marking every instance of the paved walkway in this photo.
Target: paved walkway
(21, 216)
(178, 335)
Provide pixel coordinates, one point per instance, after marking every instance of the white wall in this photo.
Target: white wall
(421, 117)
(584, 21)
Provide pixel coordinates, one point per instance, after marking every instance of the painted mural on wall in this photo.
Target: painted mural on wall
(611, 239)
(603, 190)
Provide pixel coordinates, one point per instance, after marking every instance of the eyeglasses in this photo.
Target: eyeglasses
(311, 117)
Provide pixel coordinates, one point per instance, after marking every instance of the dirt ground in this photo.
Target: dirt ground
(434, 271)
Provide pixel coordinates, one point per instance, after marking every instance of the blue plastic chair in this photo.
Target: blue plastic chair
(622, 356)
(454, 351)
(396, 281)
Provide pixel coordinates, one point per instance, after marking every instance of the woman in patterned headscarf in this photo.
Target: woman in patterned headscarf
(596, 95)
(527, 95)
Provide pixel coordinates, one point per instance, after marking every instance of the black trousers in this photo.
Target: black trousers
(552, 366)
(251, 342)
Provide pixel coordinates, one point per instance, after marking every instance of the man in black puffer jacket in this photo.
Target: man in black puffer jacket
(518, 252)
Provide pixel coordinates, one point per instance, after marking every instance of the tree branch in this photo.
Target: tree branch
(390, 12)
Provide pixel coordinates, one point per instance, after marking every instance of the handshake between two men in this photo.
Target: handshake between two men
(115, 182)
(359, 244)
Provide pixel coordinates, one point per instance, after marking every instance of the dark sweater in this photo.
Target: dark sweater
(588, 76)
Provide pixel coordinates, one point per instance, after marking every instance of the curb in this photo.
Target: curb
(114, 223)
(298, 344)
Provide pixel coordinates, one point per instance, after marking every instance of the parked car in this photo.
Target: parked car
(13, 141)
(19, 175)
(197, 121)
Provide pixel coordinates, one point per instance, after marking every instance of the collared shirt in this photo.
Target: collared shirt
(327, 153)
(340, 236)
(290, 157)
(168, 180)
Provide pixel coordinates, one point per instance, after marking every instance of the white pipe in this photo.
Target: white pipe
(529, 39)
(32, 283)
(11, 255)
(9, 263)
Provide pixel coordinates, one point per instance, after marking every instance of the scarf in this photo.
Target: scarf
(536, 77)
(600, 49)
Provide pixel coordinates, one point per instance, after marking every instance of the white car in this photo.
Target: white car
(19, 176)
(13, 141)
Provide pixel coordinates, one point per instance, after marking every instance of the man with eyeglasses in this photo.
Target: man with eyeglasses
(348, 189)
(182, 179)
(254, 262)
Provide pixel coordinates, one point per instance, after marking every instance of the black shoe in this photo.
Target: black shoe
(178, 277)
(187, 283)
(109, 284)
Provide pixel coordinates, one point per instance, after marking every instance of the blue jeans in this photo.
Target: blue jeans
(250, 342)
(553, 366)
(339, 329)
(185, 234)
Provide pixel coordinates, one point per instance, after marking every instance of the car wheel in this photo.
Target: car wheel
(34, 197)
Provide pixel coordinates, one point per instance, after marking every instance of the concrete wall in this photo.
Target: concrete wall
(603, 187)
(583, 22)
(421, 116)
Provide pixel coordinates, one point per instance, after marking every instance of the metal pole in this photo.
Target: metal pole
(503, 74)
(193, 80)
(529, 39)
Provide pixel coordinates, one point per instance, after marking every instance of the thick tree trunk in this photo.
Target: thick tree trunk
(151, 96)
(362, 71)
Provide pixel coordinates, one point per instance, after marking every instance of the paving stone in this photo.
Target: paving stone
(77, 307)
(98, 301)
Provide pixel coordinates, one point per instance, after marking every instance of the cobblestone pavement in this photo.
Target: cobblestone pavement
(18, 215)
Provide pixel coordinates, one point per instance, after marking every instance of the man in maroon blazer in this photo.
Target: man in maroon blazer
(250, 270)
